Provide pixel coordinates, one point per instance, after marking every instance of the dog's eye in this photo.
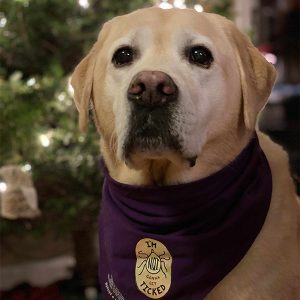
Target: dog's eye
(200, 55)
(123, 56)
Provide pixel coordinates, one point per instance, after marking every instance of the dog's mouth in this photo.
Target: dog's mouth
(150, 132)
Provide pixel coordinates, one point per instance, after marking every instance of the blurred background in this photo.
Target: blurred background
(50, 182)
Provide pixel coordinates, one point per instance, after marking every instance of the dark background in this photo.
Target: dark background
(54, 256)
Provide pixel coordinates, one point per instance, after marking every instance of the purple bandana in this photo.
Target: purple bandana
(178, 242)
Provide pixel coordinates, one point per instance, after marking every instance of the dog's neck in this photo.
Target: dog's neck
(216, 154)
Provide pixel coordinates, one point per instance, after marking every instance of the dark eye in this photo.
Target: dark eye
(123, 56)
(200, 55)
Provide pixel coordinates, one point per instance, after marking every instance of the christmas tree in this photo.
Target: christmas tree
(41, 41)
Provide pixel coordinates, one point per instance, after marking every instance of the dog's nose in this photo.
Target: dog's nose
(152, 88)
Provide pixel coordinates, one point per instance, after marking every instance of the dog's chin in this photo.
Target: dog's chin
(147, 150)
(139, 160)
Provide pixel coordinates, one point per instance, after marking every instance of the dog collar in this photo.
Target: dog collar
(179, 241)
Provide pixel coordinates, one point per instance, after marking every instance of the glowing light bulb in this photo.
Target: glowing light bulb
(165, 5)
(3, 187)
(199, 8)
(45, 141)
(61, 97)
(179, 4)
(84, 3)
(26, 168)
(31, 82)
(3, 22)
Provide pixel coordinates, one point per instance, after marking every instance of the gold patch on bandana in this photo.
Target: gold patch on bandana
(153, 268)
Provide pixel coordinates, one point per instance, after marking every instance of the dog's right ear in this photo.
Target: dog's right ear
(82, 78)
(82, 83)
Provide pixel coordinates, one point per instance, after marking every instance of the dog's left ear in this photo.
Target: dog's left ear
(257, 76)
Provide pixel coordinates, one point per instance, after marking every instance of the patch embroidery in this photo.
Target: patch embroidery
(153, 268)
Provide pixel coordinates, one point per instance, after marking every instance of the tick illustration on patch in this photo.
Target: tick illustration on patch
(153, 268)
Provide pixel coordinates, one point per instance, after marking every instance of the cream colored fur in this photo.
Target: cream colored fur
(217, 116)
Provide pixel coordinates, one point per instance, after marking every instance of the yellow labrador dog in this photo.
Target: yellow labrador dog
(175, 96)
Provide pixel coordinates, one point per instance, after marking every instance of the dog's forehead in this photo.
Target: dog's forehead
(165, 24)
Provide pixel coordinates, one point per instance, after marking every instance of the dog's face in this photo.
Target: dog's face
(165, 82)
(168, 77)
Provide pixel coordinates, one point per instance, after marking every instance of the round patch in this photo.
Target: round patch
(153, 268)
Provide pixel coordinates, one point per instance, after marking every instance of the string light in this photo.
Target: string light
(3, 22)
(3, 187)
(199, 8)
(165, 5)
(64, 99)
(84, 3)
(179, 4)
(31, 82)
(26, 168)
(61, 97)
(44, 140)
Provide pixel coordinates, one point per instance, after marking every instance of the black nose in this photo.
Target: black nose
(152, 88)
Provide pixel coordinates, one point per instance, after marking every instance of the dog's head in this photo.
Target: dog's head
(164, 82)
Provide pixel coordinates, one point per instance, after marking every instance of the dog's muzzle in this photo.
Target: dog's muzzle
(153, 98)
